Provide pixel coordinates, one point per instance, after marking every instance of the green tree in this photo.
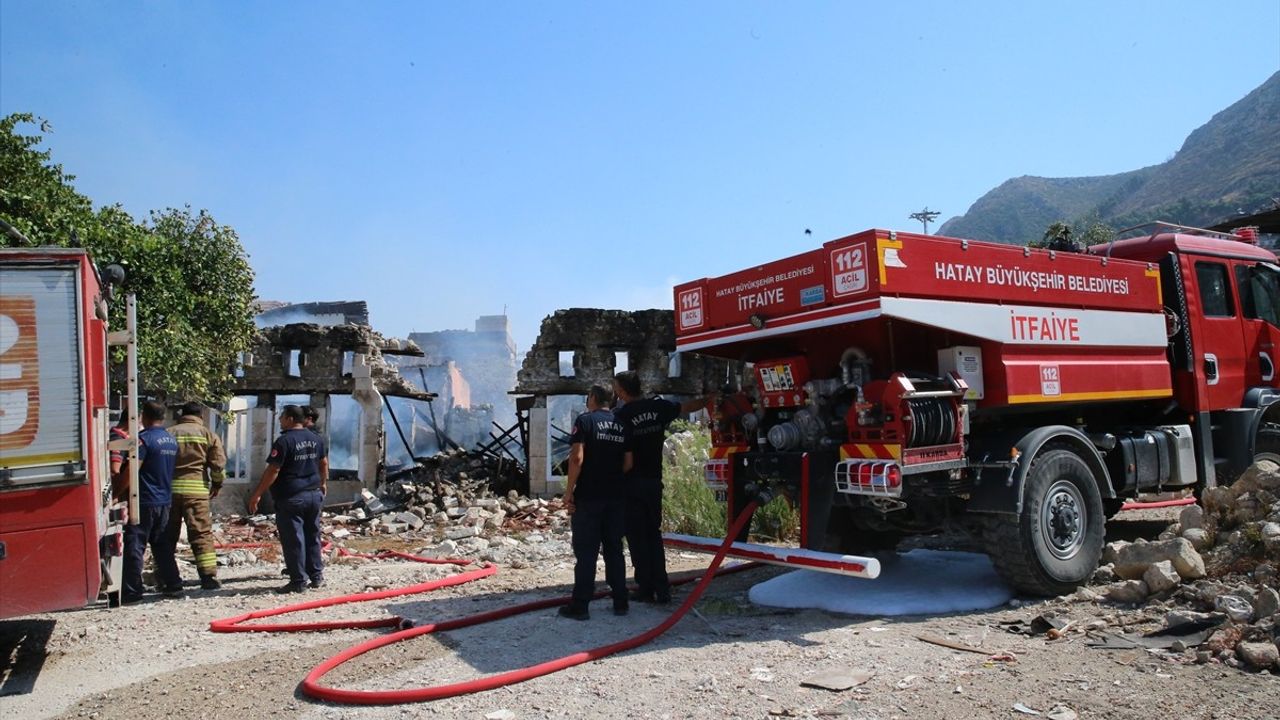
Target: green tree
(190, 273)
(36, 196)
(1097, 233)
(1058, 236)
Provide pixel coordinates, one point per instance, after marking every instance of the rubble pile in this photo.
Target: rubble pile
(454, 494)
(447, 505)
(1216, 572)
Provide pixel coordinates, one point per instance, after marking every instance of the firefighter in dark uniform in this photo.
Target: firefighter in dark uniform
(157, 452)
(646, 420)
(594, 495)
(297, 474)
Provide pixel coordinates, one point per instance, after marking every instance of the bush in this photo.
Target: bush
(690, 508)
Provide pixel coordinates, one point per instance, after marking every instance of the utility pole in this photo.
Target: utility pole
(925, 217)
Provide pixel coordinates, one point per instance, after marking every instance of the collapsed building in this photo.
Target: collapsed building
(581, 347)
(387, 404)
(342, 371)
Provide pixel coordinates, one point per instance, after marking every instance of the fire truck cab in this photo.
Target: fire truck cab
(899, 384)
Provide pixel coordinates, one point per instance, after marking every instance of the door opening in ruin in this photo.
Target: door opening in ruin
(343, 428)
(239, 438)
(621, 361)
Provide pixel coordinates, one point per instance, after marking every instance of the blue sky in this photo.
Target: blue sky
(447, 160)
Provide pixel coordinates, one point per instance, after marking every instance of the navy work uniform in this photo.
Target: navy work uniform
(157, 451)
(600, 514)
(646, 422)
(297, 497)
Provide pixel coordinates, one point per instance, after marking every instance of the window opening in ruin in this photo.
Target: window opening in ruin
(243, 360)
(673, 365)
(348, 362)
(567, 369)
(621, 361)
(294, 363)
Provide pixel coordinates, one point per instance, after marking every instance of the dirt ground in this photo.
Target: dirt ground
(729, 659)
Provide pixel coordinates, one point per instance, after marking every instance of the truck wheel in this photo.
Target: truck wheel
(1055, 544)
(1267, 445)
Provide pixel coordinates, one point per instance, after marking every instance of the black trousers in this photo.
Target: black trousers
(644, 535)
(298, 522)
(598, 523)
(150, 530)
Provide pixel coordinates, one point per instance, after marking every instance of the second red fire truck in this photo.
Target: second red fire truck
(900, 383)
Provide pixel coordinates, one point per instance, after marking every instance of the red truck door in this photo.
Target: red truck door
(1258, 285)
(1219, 343)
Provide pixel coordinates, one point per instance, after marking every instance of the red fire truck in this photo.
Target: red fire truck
(61, 533)
(901, 383)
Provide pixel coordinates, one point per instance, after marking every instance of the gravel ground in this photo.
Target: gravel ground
(730, 659)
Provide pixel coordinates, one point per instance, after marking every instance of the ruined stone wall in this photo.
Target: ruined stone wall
(323, 362)
(595, 336)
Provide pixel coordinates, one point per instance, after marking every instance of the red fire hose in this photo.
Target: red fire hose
(311, 684)
(1159, 504)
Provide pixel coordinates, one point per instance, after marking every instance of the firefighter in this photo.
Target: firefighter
(311, 417)
(197, 478)
(594, 496)
(297, 474)
(157, 452)
(646, 420)
(119, 478)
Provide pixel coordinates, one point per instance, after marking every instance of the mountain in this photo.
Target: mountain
(1228, 165)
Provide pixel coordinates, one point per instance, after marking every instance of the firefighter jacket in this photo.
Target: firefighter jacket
(198, 449)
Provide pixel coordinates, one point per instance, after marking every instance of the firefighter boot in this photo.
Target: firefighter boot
(209, 582)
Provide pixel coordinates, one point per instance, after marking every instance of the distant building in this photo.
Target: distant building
(485, 357)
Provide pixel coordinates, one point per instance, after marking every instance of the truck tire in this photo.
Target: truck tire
(1054, 545)
(1267, 445)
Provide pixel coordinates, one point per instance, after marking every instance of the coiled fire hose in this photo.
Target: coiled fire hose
(311, 683)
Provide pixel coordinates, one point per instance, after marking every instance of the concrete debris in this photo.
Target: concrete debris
(1191, 518)
(1199, 539)
(1262, 655)
(1127, 591)
(1214, 580)
(838, 680)
(1131, 560)
(1266, 603)
(1161, 577)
